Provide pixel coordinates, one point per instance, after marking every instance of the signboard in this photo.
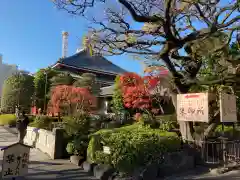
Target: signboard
(106, 150)
(193, 107)
(228, 109)
(15, 160)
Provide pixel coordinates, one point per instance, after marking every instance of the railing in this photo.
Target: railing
(219, 151)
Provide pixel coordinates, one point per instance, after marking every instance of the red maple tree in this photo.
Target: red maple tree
(71, 98)
(138, 91)
(135, 91)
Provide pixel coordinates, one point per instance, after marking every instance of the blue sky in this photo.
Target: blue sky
(30, 35)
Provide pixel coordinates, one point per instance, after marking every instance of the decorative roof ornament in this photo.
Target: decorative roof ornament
(89, 42)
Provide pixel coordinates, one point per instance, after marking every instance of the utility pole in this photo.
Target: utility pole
(45, 92)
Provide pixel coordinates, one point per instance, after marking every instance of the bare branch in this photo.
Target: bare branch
(137, 17)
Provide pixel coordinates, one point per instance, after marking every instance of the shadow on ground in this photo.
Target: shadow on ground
(45, 163)
(203, 175)
(71, 174)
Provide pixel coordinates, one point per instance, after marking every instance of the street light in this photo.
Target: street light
(45, 98)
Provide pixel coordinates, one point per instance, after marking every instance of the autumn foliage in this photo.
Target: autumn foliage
(71, 98)
(139, 92)
(136, 91)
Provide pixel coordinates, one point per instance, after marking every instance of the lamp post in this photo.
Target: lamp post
(45, 92)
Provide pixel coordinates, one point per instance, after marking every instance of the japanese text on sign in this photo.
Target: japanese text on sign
(192, 107)
(228, 109)
(15, 161)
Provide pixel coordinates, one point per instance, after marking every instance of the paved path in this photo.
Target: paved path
(232, 175)
(41, 166)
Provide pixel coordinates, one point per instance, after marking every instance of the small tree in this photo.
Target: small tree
(17, 91)
(117, 99)
(42, 86)
(62, 78)
(136, 92)
(89, 81)
(160, 85)
(71, 99)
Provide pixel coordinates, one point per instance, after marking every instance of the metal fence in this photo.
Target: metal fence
(219, 152)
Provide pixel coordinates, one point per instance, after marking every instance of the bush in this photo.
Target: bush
(167, 122)
(43, 122)
(227, 131)
(79, 124)
(77, 129)
(131, 146)
(7, 119)
(70, 148)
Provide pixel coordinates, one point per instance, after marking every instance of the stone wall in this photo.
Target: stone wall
(49, 142)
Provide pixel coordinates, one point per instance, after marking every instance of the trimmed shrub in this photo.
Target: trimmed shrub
(228, 131)
(43, 122)
(8, 119)
(77, 129)
(167, 122)
(131, 146)
(70, 148)
(79, 124)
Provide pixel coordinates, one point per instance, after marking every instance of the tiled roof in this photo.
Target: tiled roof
(84, 60)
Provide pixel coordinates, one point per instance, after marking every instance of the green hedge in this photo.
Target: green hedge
(7, 119)
(167, 122)
(131, 146)
(228, 131)
(77, 129)
(43, 122)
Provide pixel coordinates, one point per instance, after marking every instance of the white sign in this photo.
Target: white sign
(228, 109)
(193, 107)
(106, 150)
(15, 160)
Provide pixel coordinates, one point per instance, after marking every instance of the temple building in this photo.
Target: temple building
(83, 62)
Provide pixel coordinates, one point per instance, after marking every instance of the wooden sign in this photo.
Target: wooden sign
(228, 108)
(15, 160)
(193, 107)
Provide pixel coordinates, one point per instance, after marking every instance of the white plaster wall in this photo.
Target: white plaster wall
(5, 71)
(45, 141)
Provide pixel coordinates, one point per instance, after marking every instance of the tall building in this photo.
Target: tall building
(6, 70)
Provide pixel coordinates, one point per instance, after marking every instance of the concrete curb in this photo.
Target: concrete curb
(224, 170)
